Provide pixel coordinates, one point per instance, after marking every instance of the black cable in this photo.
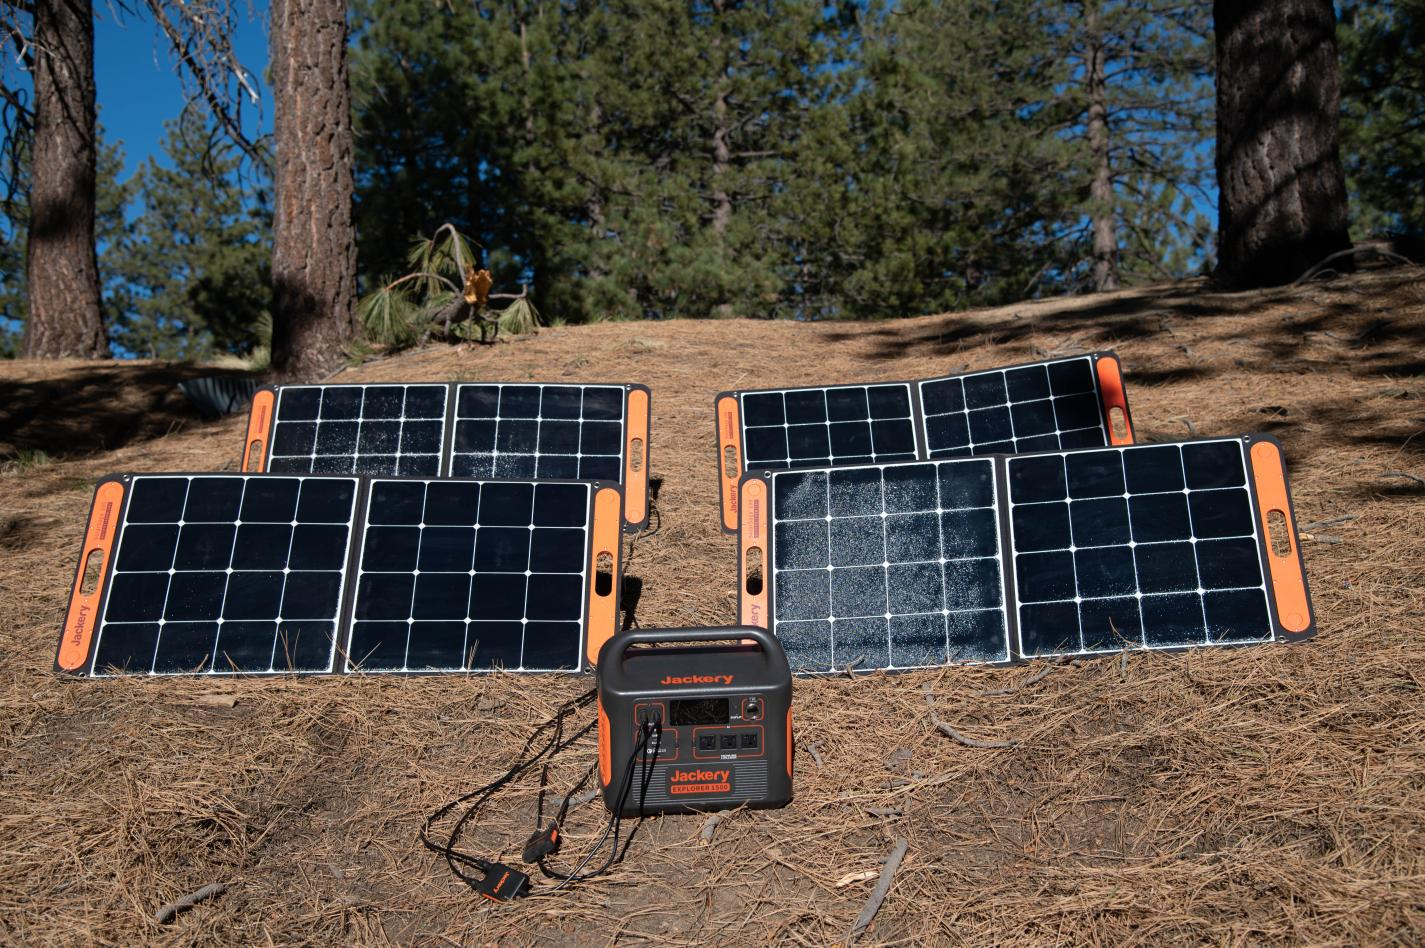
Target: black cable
(645, 752)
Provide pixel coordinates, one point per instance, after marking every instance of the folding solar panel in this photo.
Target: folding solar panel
(1160, 546)
(1057, 404)
(243, 574)
(514, 430)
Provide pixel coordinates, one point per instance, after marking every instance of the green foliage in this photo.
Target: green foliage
(196, 263)
(1383, 114)
(657, 158)
(443, 292)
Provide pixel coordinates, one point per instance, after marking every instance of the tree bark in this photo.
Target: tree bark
(61, 267)
(721, 151)
(1105, 221)
(313, 237)
(1281, 190)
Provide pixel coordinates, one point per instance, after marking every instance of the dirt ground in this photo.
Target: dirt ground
(1265, 794)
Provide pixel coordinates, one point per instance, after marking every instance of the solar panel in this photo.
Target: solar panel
(1151, 546)
(223, 574)
(507, 430)
(1056, 404)
(1040, 407)
(358, 429)
(228, 574)
(461, 575)
(885, 566)
(1160, 546)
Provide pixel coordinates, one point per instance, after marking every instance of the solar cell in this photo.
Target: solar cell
(463, 575)
(1056, 404)
(214, 574)
(1159, 546)
(887, 566)
(358, 429)
(534, 430)
(1151, 546)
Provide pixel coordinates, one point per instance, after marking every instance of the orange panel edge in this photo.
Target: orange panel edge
(753, 538)
(1110, 386)
(259, 426)
(729, 438)
(83, 613)
(635, 478)
(605, 756)
(607, 541)
(1287, 577)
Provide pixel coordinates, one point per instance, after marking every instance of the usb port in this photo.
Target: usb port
(749, 740)
(729, 742)
(707, 742)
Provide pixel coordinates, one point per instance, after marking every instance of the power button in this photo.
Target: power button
(752, 711)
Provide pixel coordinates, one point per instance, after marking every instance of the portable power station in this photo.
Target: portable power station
(707, 711)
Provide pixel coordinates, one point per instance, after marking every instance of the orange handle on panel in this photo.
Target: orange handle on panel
(607, 543)
(83, 614)
(1288, 580)
(635, 475)
(259, 427)
(729, 458)
(1110, 386)
(753, 565)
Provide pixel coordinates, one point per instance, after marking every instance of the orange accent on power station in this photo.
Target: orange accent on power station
(259, 427)
(789, 742)
(605, 756)
(1288, 583)
(753, 536)
(729, 437)
(1110, 386)
(635, 476)
(608, 533)
(83, 614)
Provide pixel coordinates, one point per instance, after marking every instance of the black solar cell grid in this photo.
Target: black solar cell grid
(359, 429)
(888, 566)
(844, 424)
(225, 574)
(1046, 406)
(1151, 546)
(544, 431)
(461, 575)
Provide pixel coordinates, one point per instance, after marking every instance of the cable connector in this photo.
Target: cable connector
(541, 843)
(502, 883)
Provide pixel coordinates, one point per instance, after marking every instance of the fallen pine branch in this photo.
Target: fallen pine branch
(1334, 521)
(878, 894)
(1405, 474)
(710, 827)
(955, 735)
(170, 911)
(1031, 680)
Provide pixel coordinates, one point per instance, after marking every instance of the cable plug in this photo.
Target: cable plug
(541, 843)
(502, 883)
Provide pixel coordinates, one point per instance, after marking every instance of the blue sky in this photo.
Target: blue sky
(138, 90)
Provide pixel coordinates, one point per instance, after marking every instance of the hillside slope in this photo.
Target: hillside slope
(1268, 793)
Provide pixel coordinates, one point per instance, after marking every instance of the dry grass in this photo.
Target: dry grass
(1259, 795)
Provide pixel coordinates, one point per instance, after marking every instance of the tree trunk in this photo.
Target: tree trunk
(1105, 221)
(61, 268)
(313, 238)
(1281, 191)
(721, 152)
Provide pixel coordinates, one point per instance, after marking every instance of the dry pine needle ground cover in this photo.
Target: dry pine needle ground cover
(1265, 794)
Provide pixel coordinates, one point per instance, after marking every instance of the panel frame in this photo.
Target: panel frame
(634, 459)
(1290, 609)
(77, 648)
(730, 429)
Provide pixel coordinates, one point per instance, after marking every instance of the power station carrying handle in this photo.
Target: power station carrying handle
(620, 643)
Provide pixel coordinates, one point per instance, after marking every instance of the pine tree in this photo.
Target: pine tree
(196, 263)
(1383, 114)
(1139, 108)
